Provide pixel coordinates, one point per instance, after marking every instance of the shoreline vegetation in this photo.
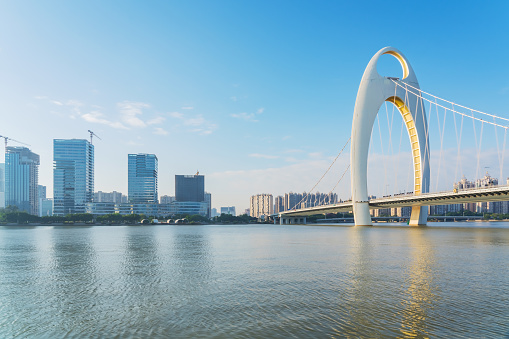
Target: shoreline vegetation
(11, 216)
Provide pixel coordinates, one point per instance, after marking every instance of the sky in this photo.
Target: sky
(258, 96)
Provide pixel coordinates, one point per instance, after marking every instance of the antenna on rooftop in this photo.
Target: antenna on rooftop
(92, 134)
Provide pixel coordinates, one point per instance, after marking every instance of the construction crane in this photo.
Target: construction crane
(92, 134)
(7, 139)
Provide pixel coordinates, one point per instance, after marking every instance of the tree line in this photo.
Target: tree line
(13, 215)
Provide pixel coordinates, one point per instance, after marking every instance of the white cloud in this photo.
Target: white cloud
(130, 110)
(98, 117)
(233, 98)
(296, 177)
(176, 115)
(156, 121)
(197, 124)
(188, 107)
(260, 110)
(196, 121)
(263, 156)
(160, 131)
(244, 116)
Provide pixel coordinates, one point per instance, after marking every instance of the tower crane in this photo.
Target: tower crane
(10, 139)
(92, 134)
(7, 139)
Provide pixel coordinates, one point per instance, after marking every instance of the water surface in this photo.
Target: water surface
(255, 281)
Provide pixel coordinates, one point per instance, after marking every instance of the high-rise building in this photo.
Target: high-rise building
(41, 191)
(208, 200)
(21, 179)
(73, 175)
(2, 185)
(279, 204)
(190, 188)
(142, 179)
(213, 213)
(228, 210)
(261, 205)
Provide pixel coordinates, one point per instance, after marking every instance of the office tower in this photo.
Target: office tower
(213, 213)
(21, 179)
(190, 188)
(73, 175)
(228, 210)
(142, 179)
(2, 185)
(261, 205)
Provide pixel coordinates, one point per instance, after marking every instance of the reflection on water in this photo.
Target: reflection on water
(253, 281)
(420, 294)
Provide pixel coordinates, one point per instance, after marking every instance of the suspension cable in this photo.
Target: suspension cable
(328, 169)
(454, 111)
(450, 102)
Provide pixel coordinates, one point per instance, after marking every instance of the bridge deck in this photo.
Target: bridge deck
(493, 193)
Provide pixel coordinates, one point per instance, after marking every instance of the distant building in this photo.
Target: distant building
(190, 188)
(21, 179)
(279, 204)
(486, 181)
(189, 208)
(2, 185)
(246, 211)
(116, 197)
(208, 200)
(73, 175)
(142, 179)
(46, 208)
(45, 205)
(261, 205)
(213, 213)
(228, 210)
(41, 191)
(292, 200)
(166, 199)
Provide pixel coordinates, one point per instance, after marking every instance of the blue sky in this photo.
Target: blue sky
(256, 95)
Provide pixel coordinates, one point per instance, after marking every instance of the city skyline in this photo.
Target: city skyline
(254, 107)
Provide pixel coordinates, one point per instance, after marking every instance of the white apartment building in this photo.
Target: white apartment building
(261, 205)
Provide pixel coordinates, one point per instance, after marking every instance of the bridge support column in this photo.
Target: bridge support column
(419, 216)
(361, 214)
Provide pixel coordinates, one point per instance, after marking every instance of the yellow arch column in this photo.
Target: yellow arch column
(374, 90)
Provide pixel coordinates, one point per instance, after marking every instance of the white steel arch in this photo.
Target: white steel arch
(374, 90)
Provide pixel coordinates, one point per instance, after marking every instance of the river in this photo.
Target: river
(255, 281)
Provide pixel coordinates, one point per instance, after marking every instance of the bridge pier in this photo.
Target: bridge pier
(419, 216)
(292, 220)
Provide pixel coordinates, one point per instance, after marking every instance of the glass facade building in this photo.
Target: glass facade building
(142, 179)
(190, 188)
(2, 185)
(21, 179)
(73, 175)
